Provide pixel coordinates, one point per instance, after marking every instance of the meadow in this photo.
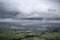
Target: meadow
(30, 34)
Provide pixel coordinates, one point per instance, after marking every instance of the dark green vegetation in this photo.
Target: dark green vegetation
(43, 33)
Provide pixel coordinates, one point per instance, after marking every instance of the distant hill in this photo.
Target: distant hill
(53, 18)
(22, 25)
(32, 18)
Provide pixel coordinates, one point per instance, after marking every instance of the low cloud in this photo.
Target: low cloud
(29, 8)
(30, 12)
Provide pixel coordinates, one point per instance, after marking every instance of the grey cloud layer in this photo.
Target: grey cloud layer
(8, 14)
(29, 8)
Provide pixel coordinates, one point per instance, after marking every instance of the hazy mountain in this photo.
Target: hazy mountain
(27, 25)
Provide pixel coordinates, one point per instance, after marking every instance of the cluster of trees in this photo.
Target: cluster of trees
(53, 29)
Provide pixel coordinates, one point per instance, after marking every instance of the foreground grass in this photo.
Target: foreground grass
(23, 34)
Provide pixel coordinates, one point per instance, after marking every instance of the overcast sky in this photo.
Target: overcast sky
(10, 9)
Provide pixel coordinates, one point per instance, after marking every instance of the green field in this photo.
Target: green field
(27, 34)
